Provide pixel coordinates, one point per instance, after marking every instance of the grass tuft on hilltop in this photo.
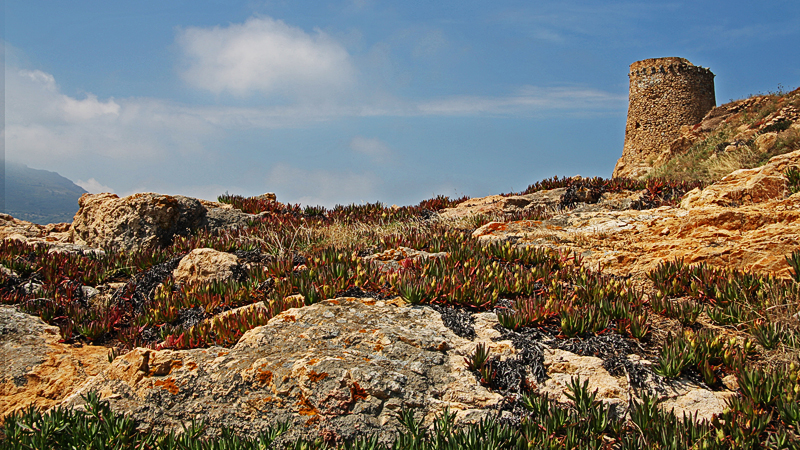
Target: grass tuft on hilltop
(732, 144)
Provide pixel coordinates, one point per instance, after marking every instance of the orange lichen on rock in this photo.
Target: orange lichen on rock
(357, 393)
(306, 408)
(312, 421)
(64, 369)
(168, 385)
(493, 227)
(315, 377)
(264, 376)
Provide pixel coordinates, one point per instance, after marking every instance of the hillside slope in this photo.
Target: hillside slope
(40, 196)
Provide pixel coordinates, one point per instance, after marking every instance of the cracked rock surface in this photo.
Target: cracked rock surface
(343, 366)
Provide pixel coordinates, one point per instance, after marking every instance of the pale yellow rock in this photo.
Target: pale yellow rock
(696, 402)
(37, 369)
(205, 265)
(562, 366)
(752, 237)
(746, 186)
(134, 222)
(766, 141)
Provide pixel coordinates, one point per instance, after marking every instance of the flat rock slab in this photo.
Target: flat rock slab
(341, 367)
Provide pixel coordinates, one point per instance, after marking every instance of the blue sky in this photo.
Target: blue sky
(331, 102)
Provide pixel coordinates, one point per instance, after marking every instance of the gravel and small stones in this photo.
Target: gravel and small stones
(150, 335)
(581, 191)
(267, 285)
(298, 260)
(253, 257)
(601, 346)
(357, 292)
(512, 375)
(458, 320)
(613, 349)
(11, 282)
(239, 273)
(144, 284)
(189, 317)
(427, 214)
(528, 343)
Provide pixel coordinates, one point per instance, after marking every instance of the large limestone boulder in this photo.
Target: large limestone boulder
(146, 220)
(36, 369)
(137, 221)
(345, 366)
(206, 265)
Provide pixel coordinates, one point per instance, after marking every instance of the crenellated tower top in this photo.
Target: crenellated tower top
(665, 94)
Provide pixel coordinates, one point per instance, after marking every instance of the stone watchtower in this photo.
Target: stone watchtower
(665, 94)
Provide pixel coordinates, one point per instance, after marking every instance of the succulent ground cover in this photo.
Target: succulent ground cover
(697, 321)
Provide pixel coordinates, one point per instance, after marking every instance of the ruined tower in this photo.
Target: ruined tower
(665, 93)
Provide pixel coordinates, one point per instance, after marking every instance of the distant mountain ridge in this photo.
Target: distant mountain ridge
(39, 196)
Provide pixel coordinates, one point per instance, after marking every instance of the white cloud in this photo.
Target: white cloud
(376, 149)
(36, 94)
(93, 186)
(122, 140)
(322, 187)
(528, 99)
(267, 56)
(88, 108)
(45, 127)
(47, 81)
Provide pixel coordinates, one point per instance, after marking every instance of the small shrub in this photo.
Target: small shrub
(777, 126)
(792, 175)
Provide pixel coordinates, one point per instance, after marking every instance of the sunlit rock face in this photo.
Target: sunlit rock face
(147, 220)
(345, 365)
(38, 370)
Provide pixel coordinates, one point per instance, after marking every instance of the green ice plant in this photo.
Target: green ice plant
(768, 334)
(675, 356)
(794, 264)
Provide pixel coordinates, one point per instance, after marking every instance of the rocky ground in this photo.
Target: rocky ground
(346, 365)
(747, 221)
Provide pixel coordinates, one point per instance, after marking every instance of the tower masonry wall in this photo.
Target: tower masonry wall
(665, 94)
